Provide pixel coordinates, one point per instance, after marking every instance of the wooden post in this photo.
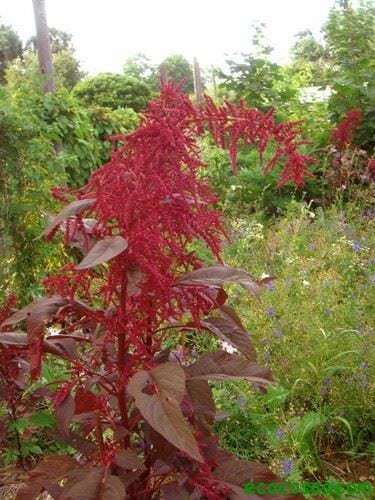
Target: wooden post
(198, 86)
(163, 75)
(214, 84)
(44, 45)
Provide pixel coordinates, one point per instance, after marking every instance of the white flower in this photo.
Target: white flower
(228, 347)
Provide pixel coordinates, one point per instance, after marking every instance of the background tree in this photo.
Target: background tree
(307, 52)
(253, 76)
(307, 48)
(138, 66)
(10, 48)
(178, 70)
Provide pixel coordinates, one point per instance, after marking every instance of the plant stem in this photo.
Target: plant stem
(99, 436)
(121, 353)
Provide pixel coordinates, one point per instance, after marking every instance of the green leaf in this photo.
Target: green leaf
(43, 419)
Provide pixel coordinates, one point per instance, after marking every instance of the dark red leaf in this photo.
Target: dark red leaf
(228, 327)
(239, 472)
(82, 237)
(174, 491)
(48, 472)
(91, 483)
(18, 339)
(64, 414)
(128, 459)
(103, 251)
(74, 208)
(221, 365)
(162, 410)
(42, 309)
(61, 345)
(217, 295)
(201, 397)
(219, 275)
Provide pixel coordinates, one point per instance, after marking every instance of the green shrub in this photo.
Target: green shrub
(113, 91)
(252, 191)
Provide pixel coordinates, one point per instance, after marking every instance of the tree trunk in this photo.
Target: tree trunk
(44, 45)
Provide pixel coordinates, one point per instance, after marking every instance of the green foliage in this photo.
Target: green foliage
(179, 70)
(10, 48)
(350, 39)
(250, 190)
(107, 122)
(34, 434)
(29, 169)
(113, 91)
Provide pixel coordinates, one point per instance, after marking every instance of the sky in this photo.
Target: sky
(107, 32)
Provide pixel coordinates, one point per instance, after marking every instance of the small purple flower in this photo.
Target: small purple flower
(270, 286)
(312, 247)
(280, 433)
(287, 466)
(271, 313)
(356, 246)
(328, 312)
